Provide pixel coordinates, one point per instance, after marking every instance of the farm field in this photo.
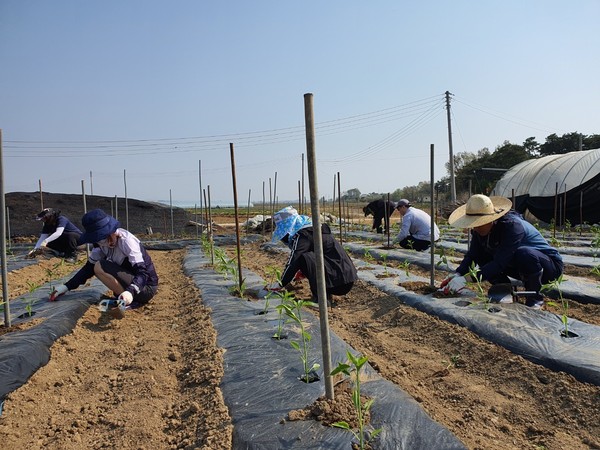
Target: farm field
(151, 380)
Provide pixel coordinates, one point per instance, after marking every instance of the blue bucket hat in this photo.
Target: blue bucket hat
(98, 225)
(288, 221)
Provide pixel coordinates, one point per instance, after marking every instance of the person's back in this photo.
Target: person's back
(339, 268)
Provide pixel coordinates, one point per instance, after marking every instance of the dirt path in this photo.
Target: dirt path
(487, 396)
(148, 381)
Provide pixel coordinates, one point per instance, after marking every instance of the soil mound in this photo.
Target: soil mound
(135, 215)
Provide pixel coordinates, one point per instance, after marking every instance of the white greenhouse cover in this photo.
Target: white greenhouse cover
(539, 177)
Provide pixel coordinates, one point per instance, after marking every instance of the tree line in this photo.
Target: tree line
(479, 172)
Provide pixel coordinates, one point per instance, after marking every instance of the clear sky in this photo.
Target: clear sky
(144, 90)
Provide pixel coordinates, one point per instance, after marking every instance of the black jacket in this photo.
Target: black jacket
(339, 269)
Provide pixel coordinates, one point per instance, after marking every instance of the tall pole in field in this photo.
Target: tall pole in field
(3, 239)
(302, 190)
(318, 242)
(200, 186)
(126, 203)
(264, 222)
(432, 212)
(41, 195)
(340, 205)
(452, 181)
(171, 208)
(237, 222)
(87, 246)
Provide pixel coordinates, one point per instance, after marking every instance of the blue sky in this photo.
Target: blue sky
(144, 90)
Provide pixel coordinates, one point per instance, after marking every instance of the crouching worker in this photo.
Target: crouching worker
(118, 259)
(416, 227)
(381, 211)
(297, 232)
(58, 234)
(503, 245)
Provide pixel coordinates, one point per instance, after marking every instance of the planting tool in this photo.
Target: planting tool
(114, 307)
(506, 293)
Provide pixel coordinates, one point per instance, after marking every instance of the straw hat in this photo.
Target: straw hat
(479, 210)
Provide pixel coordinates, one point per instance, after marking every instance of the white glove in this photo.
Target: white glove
(127, 297)
(444, 286)
(43, 244)
(457, 284)
(57, 291)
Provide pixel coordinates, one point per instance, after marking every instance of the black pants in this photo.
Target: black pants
(66, 243)
(531, 266)
(308, 266)
(124, 277)
(415, 244)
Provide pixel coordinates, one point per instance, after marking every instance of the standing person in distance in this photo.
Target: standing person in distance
(415, 232)
(503, 245)
(381, 211)
(296, 231)
(58, 234)
(118, 259)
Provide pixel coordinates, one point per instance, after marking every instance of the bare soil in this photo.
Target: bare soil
(151, 380)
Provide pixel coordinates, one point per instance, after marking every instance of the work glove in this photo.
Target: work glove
(127, 297)
(457, 284)
(273, 287)
(57, 291)
(453, 284)
(299, 276)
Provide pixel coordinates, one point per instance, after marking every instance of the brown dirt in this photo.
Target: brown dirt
(487, 396)
(151, 380)
(147, 381)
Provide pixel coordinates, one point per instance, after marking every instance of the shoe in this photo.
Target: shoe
(534, 303)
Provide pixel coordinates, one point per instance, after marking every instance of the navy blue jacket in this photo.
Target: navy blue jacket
(497, 249)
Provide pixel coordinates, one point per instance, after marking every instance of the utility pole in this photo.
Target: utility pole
(452, 181)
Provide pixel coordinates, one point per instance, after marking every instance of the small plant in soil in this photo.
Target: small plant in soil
(353, 365)
(293, 310)
(443, 257)
(564, 303)
(478, 282)
(452, 362)
(384, 257)
(274, 276)
(405, 266)
(286, 298)
(595, 243)
(367, 255)
(30, 300)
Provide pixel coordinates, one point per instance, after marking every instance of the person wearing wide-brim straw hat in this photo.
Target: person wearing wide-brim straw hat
(479, 210)
(118, 259)
(503, 245)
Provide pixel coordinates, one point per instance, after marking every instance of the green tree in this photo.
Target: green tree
(351, 194)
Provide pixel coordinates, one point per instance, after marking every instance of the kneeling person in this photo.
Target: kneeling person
(118, 259)
(297, 232)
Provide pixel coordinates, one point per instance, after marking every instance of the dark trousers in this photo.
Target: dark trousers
(66, 243)
(532, 267)
(308, 266)
(125, 278)
(415, 244)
